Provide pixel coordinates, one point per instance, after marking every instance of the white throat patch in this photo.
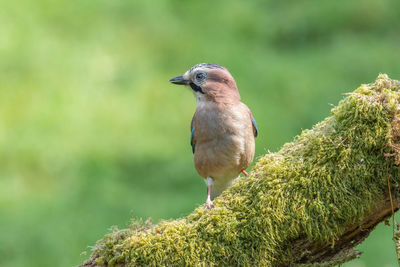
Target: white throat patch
(200, 99)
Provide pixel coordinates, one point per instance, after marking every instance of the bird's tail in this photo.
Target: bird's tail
(220, 185)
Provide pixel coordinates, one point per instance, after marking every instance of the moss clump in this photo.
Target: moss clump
(313, 188)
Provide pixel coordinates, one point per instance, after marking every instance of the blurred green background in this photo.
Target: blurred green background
(92, 133)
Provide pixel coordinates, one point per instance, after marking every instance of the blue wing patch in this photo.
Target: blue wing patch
(254, 126)
(191, 140)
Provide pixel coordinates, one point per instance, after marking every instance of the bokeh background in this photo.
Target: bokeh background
(92, 133)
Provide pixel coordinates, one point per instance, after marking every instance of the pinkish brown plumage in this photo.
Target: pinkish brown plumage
(222, 129)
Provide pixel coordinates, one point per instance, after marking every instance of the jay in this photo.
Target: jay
(222, 129)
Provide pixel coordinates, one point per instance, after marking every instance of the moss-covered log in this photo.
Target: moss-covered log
(309, 203)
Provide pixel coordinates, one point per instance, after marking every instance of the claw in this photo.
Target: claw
(209, 204)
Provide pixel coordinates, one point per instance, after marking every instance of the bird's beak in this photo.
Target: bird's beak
(179, 80)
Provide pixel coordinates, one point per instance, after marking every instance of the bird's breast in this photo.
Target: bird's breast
(224, 139)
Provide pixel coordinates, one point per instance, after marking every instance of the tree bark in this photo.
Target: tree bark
(308, 252)
(309, 204)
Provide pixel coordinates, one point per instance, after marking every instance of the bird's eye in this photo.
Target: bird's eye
(200, 76)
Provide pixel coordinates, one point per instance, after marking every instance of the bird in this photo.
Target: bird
(223, 129)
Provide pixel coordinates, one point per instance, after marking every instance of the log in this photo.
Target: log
(308, 204)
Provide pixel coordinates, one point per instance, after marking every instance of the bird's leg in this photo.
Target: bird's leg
(209, 182)
(245, 173)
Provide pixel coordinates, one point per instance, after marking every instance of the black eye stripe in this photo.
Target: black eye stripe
(196, 88)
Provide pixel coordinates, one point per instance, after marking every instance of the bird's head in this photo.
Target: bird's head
(210, 82)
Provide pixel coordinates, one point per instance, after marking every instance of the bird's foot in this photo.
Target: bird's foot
(209, 204)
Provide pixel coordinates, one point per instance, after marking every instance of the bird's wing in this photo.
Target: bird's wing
(192, 139)
(255, 129)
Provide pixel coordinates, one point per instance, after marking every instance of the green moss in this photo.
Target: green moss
(314, 187)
